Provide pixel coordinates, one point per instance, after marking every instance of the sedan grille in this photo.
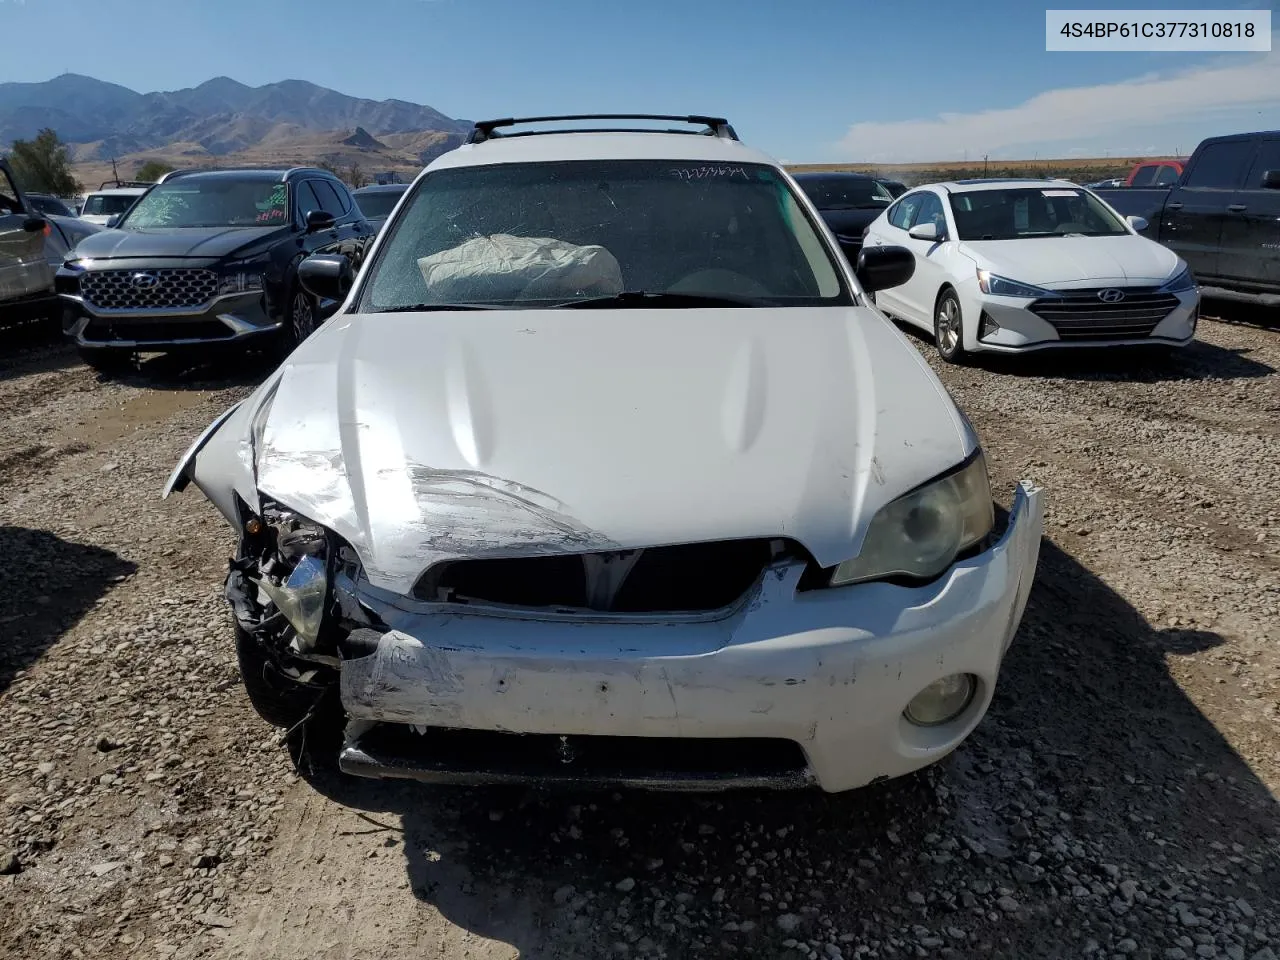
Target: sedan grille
(177, 288)
(1084, 315)
(685, 578)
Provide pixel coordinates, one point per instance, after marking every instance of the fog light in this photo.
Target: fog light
(941, 701)
(987, 326)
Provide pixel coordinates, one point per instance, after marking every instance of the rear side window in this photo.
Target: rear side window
(903, 213)
(1222, 165)
(1268, 158)
(1145, 176)
(1167, 176)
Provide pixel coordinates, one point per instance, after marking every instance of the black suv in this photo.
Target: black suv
(209, 257)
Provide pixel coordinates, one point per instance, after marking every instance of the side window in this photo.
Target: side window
(903, 213)
(328, 197)
(1268, 158)
(1145, 176)
(8, 194)
(306, 199)
(1167, 176)
(345, 200)
(930, 211)
(1222, 165)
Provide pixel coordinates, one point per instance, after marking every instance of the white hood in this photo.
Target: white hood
(422, 438)
(1093, 261)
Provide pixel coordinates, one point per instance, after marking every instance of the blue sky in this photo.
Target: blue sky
(805, 80)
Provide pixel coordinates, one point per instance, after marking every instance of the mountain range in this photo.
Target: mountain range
(219, 118)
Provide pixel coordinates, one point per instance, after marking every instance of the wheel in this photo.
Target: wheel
(107, 361)
(948, 328)
(279, 699)
(300, 320)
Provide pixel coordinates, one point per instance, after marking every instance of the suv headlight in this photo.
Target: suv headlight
(241, 281)
(1182, 281)
(919, 535)
(988, 282)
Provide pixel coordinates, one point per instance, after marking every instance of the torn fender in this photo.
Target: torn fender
(220, 463)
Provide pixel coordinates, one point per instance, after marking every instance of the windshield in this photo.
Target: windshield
(544, 234)
(213, 202)
(1023, 212)
(108, 204)
(845, 193)
(377, 205)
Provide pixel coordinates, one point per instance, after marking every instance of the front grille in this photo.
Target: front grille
(174, 288)
(685, 578)
(1080, 315)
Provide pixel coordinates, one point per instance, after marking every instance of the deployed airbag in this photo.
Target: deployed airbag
(504, 267)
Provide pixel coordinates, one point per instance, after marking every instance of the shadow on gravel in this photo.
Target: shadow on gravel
(25, 354)
(214, 369)
(1092, 768)
(1241, 314)
(49, 584)
(1196, 361)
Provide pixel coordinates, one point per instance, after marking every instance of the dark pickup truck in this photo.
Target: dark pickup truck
(1222, 216)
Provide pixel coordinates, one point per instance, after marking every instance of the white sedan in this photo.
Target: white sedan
(605, 472)
(1008, 266)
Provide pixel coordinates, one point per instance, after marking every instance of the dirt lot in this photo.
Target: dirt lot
(1120, 799)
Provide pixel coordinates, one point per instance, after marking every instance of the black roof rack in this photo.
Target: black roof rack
(716, 126)
(118, 184)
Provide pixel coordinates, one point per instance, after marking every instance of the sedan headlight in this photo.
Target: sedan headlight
(299, 584)
(919, 535)
(1181, 282)
(988, 282)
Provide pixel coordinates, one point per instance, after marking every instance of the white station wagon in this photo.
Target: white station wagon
(605, 472)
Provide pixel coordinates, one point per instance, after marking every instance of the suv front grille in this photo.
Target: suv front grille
(172, 288)
(1080, 315)
(685, 578)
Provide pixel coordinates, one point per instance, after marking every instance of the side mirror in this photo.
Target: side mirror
(1139, 224)
(1271, 180)
(924, 231)
(112, 221)
(319, 220)
(326, 275)
(34, 224)
(880, 268)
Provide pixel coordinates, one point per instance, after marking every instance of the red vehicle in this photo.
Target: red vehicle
(1156, 173)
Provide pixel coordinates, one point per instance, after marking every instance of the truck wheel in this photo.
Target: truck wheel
(107, 362)
(948, 328)
(277, 698)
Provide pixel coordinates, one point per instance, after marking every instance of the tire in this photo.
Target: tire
(948, 328)
(302, 316)
(278, 699)
(106, 361)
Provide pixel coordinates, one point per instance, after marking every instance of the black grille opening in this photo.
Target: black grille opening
(684, 578)
(157, 331)
(1083, 315)
(445, 754)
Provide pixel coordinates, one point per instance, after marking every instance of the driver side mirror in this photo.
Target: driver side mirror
(34, 224)
(925, 231)
(112, 222)
(1138, 223)
(880, 268)
(1271, 180)
(326, 275)
(319, 220)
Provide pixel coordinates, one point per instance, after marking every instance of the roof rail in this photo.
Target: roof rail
(716, 126)
(118, 184)
(320, 170)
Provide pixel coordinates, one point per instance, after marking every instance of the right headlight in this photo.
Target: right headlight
(1180, 282)
(919, 535)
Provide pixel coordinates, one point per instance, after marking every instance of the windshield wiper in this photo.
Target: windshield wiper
(428, 307)
(639, 298)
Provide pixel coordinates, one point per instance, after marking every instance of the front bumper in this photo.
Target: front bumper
(1022, 331)
(229, 319)
(829, 670)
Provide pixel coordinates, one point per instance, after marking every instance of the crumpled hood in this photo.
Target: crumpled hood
(1095, 261)
(522, 432)
(177, 242)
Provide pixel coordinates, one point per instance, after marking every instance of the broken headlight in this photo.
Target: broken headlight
(919, 535)
(297, 582)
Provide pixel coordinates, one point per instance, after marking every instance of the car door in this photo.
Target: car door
(23, 269)
(308, 200)
(354, 230)
(919, 293)
(1196, 210)
(892, 230)
(1250, 248)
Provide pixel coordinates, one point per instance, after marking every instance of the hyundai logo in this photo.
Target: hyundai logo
(1110, 296)
(145, 281)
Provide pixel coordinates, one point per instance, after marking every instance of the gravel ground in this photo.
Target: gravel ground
(1119, 800)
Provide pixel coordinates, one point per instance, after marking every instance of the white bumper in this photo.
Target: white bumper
(830, 670)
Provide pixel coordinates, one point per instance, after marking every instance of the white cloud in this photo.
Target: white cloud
(1121, 115)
